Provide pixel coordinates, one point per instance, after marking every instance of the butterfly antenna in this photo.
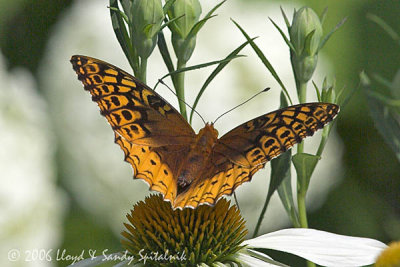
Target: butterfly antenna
(161, 81)
(262, 91)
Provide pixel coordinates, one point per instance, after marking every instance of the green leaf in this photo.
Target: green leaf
(286, 196)
(280, 170)
(393, 86)
(215, 72)
(199, 66)
(167, 6)
(162, 46)
(264, 60)
(326, 38)
(214, 9)
(307, 43)
(304, 164)
(317, 92)
(323, 15)
(386, 27)
(169, 22)
(285, 18)
(122, 35)
(386, 116)
(284, 36)
(196, 28)
(126, 6)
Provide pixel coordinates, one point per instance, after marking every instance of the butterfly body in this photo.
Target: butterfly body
(194, 165)
(190, 169)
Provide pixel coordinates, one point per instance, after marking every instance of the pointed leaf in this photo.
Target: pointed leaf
(286, 196)
(317, 92)
(213, 75)
(326, 38)
(167, 6)
(307, 43)
(285, 18)
(264, 60)
(162, 46)
(214, 9)
(126, 6)
(196, 28)
(323, 15)
(122, 35)
(386, 27)
(386, 118)
(169, 22)
(199, 66)
(304, 164)
(283, 36)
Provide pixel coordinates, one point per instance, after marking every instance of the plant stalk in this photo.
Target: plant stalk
(180, 88)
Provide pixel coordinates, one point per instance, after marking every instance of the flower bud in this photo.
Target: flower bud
(328, 94)
(187, 14)
(305, 21)
(305, 35)
(147, 16)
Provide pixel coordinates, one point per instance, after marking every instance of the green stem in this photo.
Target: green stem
(143, 70)
(302, 93)
(301, 193)
(324, 139)
(180, 88)
(301, 203)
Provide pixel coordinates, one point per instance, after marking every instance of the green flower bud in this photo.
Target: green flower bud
(305, 21)
(328, 94)
(305, 35)
(147, 16)
(187, 14)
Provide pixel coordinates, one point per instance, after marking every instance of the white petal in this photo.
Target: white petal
(321, 247)
(253, 262)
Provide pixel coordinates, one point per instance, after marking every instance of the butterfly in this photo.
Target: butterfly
(190, 169)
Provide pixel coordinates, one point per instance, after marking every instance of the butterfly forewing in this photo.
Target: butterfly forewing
(136, 112)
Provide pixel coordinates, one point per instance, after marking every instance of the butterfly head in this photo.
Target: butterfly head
(208, 132)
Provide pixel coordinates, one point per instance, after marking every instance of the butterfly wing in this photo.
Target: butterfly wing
(263, 138)
(134, 111)
(244, 150)
(152, 134)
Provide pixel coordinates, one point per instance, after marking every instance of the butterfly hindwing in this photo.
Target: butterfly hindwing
(212, 188)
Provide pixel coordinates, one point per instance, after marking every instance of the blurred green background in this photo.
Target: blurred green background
(367, 201)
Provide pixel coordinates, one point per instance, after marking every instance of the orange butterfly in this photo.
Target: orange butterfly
(190, 169)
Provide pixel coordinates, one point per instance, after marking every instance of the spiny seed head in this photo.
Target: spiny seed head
(185, 237)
